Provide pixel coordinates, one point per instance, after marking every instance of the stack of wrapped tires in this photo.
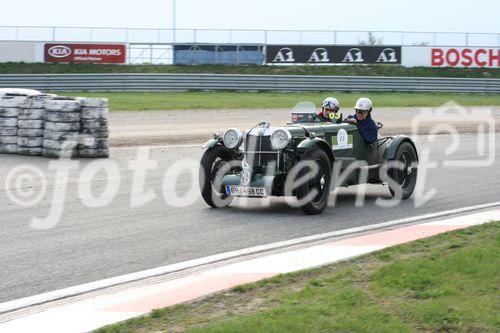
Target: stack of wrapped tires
(51, 126)
(30, 125)
(62, 126)
(9, 108)
(94, 127)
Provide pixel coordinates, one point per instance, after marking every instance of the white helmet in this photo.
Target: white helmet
(331, 103)
(363, 104)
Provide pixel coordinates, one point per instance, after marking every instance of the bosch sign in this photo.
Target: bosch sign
(465, 57)
(311, 54)
(86, 53)
(472, 57)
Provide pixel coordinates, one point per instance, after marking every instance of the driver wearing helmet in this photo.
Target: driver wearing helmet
(363, 120)
(329, 111)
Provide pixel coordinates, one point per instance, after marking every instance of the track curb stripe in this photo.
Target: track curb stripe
(190, 264)
(89, 313)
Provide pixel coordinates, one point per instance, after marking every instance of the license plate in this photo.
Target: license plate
(245, 191)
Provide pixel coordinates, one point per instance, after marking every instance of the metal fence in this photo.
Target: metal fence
(242, 36)
(163, 54)
(154, 54)
(214, 82)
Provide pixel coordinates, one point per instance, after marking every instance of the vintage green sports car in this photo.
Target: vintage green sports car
(304, 159)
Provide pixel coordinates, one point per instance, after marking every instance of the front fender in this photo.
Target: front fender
(212, 143)
(390, 151)
(309, 143)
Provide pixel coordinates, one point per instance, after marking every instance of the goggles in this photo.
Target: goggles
(361, 111)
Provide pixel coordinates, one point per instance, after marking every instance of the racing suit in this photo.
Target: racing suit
(367, 128)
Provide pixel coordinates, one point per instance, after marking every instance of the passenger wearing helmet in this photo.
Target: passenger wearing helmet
(363, 120)
(329, 111)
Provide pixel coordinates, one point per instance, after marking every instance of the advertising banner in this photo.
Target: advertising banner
(474, 57)
(344, 54)
(86, 53)
(198, 54)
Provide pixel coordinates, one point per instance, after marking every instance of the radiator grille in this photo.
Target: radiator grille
(259, 152)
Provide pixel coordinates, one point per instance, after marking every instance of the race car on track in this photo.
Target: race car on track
(304, 159)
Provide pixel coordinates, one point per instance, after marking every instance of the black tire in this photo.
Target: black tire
(320, 182)
(60, 145)
(60, 136)
(30, 124)
(28, 142)
(9, 140)
(93, 153)
(56, 153)
(62, 104)
(35, 101)
(95, 113)
(30, 132)
(62, 127)
(94, 124)
(212, 170)
(8, 122)
(89, 102)
(8, 131)
(11, 101)
(407, 177)
(30, 151)
(62, 117)
(8, 149)
(30, 114)
(99, 133)
(8, 112)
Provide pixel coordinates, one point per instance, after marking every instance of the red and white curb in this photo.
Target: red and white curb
(89, 313)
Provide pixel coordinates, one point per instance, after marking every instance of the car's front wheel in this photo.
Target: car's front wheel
(215, 164)
(313, 191)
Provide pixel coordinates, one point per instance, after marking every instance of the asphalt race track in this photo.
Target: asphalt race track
(95, 243)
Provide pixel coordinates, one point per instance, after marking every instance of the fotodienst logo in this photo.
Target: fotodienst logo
(28, 185)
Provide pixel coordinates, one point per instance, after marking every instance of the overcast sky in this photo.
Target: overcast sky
(415, 15)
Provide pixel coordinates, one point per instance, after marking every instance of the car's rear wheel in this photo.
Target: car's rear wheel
(406, 175)
(314, 193)
(215, 164)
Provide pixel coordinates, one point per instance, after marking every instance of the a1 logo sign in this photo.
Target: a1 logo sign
(387, 55)
(284, 54)
(319, 55)
(353, 55)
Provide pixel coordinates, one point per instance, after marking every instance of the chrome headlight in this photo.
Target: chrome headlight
(280, 139)
(232, 138)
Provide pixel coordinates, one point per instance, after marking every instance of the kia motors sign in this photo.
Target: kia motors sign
(344, 54)
(86, 53)
(451, 56)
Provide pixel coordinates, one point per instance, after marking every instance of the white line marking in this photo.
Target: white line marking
(87, 287)
(159, 147)
(193, 145)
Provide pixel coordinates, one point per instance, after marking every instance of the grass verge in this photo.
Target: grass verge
(447, 283)
(363, 70)
(248, 100)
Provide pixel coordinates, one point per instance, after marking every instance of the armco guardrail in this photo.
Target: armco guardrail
(232, 82)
